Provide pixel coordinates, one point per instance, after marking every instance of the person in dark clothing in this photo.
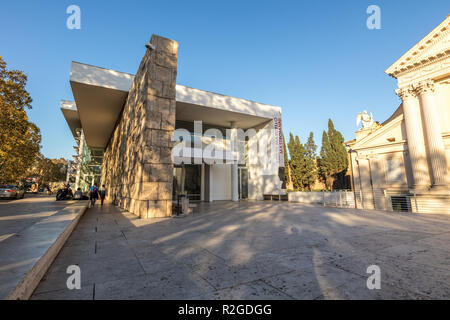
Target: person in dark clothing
(78, 195)
(93, 194)
(102, 193)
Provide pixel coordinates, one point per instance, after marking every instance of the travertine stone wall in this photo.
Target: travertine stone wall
(137, 167)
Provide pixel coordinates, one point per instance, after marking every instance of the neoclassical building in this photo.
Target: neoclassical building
(403, 163)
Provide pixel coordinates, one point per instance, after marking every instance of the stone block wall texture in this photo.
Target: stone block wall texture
(137, 165)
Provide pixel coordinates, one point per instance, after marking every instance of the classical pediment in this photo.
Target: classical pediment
(389, 134)
(433, 48)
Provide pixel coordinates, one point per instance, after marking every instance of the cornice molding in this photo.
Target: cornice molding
(390, 147)
(420, 56)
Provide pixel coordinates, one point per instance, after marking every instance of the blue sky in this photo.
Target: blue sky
(315, 59)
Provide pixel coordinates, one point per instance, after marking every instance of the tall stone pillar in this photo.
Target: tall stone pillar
(433, 133)
(159, 109)
(416, 142)
(137, 162)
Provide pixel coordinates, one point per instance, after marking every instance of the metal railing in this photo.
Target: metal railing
(337, 198)
(378, 199)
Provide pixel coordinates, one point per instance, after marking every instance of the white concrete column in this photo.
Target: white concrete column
(211, 184)
(234, 165)
(234, 182)
(183, 173)
(416, 142)
(202, 183)
(80, 160)
(433, 136)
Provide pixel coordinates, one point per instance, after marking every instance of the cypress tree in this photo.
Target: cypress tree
(324, 161)
(296, 153)
(301, 169)
(310, 172)
(340, 155)
(333, 157)
(286, 163)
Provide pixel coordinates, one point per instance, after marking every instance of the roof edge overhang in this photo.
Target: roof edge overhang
(100, 95)
(70, 113)
(227, 103)
(407, 61)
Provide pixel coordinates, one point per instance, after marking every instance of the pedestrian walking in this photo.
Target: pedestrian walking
(93, 194)
(102, 193)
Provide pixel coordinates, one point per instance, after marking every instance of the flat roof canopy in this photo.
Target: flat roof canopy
(70, 112)
(100, 95)
(216, 117)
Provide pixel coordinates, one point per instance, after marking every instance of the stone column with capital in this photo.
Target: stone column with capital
(433, 133)
(416, 142)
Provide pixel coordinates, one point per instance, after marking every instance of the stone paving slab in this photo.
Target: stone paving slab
(254, 250)
(256, 290)
(26, 256)
(408, 275)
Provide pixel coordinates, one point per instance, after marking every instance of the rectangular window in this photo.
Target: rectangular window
(394, 170)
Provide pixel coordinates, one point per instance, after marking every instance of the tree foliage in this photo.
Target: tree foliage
(48, 170)
(310, 169)
(286, 162)
(19, 138)
(306, 167)
(295, 151)
(302, 163)
(333, 158)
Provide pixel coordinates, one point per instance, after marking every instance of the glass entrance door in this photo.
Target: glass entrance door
(243, 183)
(187, 180)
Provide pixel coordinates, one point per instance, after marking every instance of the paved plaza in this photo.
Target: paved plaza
(254, 250)
(31, 232)
(17, 215)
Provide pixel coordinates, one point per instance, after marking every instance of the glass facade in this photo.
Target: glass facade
(91, 167)
(187, 178)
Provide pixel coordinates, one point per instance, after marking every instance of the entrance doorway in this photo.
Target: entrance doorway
(187, 180)
(243, 183)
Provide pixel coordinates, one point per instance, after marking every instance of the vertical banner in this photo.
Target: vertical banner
(279, 139)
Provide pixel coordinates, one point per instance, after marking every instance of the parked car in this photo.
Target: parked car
(11, 191)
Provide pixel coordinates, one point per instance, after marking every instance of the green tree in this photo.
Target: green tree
(296, 152)
(324, 161)
(48, 170)
(333, 158)
(19, 138)
(286, 162)
(302, 163)
(309, 169)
